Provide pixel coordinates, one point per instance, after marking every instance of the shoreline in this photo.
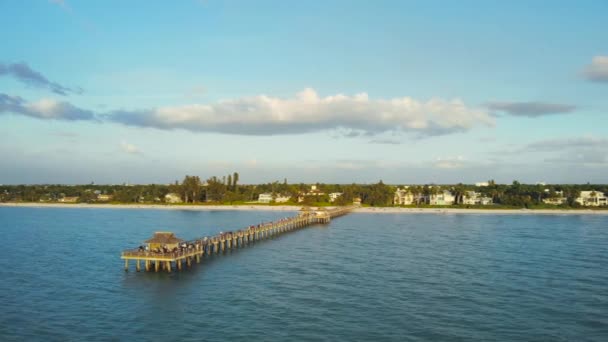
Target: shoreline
(372, 210)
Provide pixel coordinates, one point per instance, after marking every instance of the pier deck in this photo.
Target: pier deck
(166, 252)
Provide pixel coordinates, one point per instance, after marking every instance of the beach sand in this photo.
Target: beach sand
(374, 210)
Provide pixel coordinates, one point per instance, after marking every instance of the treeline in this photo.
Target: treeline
(227, 190)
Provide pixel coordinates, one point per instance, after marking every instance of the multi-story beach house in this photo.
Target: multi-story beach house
(314, 191)
(475, 198)
(104, 197)
(558, 199)
(404, 197)
(592, 199)
(269, 197)
(334, 196)
(173, 198)
(69, 199)
(265, 198)
(444, 197)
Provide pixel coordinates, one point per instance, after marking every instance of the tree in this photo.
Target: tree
(216, 189)
(235, 180)
(459, 193)
(378, 194)
(191, 187)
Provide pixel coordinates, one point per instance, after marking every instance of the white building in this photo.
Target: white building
(104, 198)
(69, 199)
(475, 198)
(334, 196)
(314, 191)
(172, 197)
(282, 199)
(592, 199)
(557, 200)
(269, 198)
(265, 198)
(444, 197)
(482, 184)
(404, 197)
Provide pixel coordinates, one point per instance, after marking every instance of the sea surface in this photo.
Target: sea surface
(364, 277)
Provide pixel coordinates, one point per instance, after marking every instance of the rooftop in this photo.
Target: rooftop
(164, 238)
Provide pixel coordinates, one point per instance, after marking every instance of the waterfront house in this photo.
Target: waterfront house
(558, 199)
(314, 191)
(555, 200)
(282, 199)
(276, 198)
(265, 198)
(475, 198)
(592, 199)
(444, 197)
(69, 199)
(173, 198)
(104, 198)
(403, 197)
(334, 196)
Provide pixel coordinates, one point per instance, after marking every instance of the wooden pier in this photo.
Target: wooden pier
(164, 251)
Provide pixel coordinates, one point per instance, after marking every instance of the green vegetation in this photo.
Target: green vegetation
(227, 190)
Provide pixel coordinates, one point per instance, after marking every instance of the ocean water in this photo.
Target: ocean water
(364, 277)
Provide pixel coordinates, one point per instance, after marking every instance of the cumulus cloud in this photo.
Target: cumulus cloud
(308, 112)
(129, 148)
(43, 109)
(354, 116)
(530, 109)
(597, 71)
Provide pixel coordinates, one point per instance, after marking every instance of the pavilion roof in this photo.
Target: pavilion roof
(164, 238)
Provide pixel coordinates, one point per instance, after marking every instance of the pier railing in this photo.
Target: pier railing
(199, 247)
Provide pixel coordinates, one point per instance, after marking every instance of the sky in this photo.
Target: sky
(407, 92)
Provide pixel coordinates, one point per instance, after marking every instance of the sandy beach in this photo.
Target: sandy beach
(373, 210)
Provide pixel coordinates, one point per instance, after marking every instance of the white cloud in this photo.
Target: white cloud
(43, 109)
(308, 112)
(129, 148)
(597, 71)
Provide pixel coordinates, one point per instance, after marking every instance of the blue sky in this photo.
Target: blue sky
(328, 91)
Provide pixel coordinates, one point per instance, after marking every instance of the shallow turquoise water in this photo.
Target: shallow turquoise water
(373, 277)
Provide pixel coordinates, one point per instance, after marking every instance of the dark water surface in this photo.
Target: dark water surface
(372, 277)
